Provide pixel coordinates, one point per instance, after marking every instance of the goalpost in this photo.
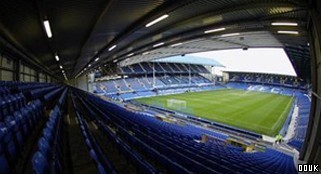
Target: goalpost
(176, 104)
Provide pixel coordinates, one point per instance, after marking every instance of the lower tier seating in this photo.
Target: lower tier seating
(175, 147)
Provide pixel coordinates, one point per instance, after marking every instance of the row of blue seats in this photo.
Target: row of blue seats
(302, 121)
(28, 87)
(162, 91)
(276, 80)
(14, 86)
(18, 83)
(48, 157)
(4, 91)
(283, 90)
(138, 84)
(142, 165)
(145, 68)
(296, 143)
(51, 95)
(178, 138)
(104, 165)
(15, 131)
(39, 92)
(11, 103)
(182, 136)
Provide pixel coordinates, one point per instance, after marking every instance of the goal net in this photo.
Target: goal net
(176, 104)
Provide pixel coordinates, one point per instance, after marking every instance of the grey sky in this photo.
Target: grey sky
(262, 60)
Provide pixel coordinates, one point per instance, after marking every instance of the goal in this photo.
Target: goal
(176, 104)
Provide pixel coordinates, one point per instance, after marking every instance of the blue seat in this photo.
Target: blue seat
(51, 125)
(10, 103)
(22, 100)
(3, 108)
(48, 135)
(88, 143)
(14, 103)
(101, 169)
(31, 116)
(4, 166)
(93, 155)
(8, 142)
(22, 121)
(38, 103)
(26, 120)
(13, 126)
(35, 111)
(40, 164)
(54, 116)
(44, 147)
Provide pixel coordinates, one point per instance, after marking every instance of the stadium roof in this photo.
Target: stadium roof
(190, 60)
(87, 34)
(251, 72)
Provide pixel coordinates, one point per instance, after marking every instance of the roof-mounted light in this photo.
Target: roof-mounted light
(145, 53)
(157, 20)
(57, 57)
(112, 47)
(159, 44)
(284, 24)
(177, 44)
(47, 28)
(130, 54)
(288, 32)
(230, 34)
(214, 30)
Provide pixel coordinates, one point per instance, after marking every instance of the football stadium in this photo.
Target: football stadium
(160, 86)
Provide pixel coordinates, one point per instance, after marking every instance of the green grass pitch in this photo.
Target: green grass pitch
(259, 112)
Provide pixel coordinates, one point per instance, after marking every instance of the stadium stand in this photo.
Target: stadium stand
(139, 81)
(268, 79)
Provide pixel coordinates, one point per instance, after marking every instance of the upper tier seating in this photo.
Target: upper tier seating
(147, 68)
(275, 80)
(142, 83)
(126, 70)
(135, 84)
